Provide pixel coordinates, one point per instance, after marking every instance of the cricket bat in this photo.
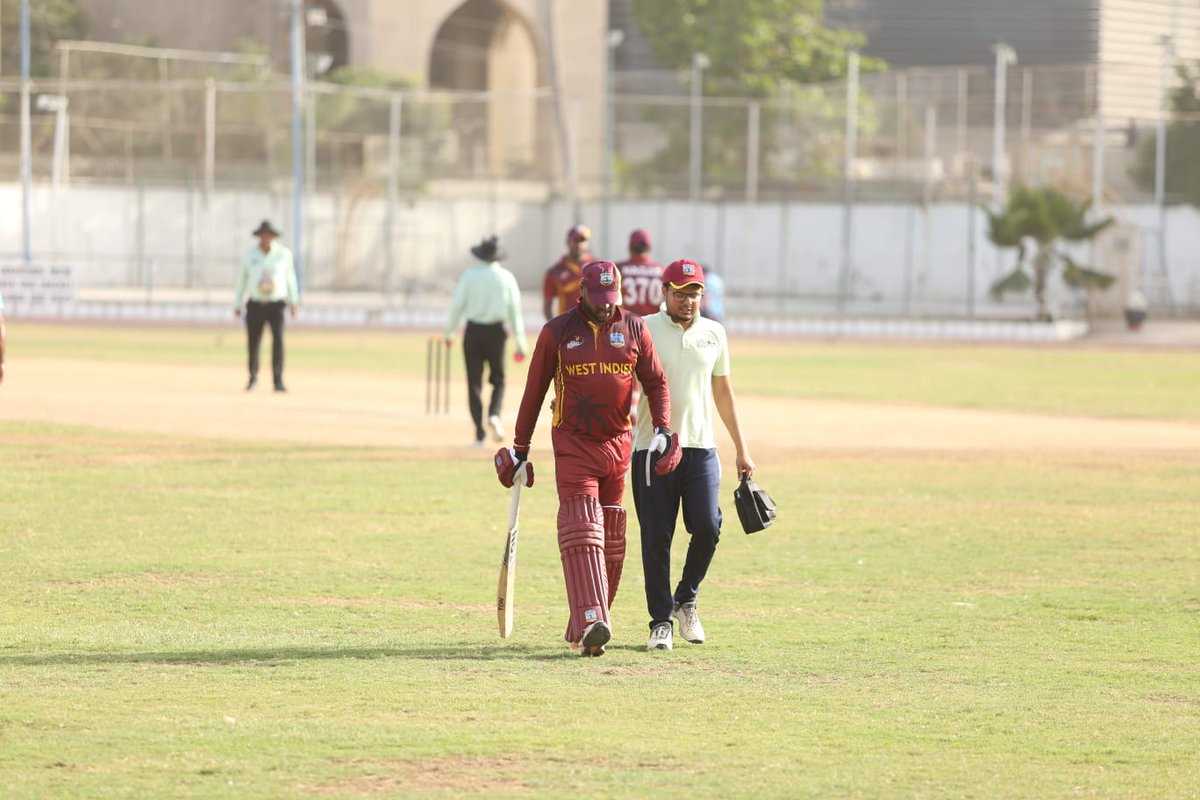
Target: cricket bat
(508, 564)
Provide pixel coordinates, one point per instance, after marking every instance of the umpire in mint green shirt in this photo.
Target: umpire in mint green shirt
(488, 297)
(267, 280)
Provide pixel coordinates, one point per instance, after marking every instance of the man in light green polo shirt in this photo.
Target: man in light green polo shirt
(694, 353)
(267, 279)
(488, 297)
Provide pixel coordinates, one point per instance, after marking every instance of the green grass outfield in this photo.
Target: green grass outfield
(917, 625)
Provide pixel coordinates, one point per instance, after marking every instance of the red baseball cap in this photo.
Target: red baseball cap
(602, 280)
(639, 240)
(578, 233)
(683, 273)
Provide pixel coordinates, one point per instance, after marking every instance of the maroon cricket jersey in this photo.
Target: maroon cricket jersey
(641, 285)
(593, 369)
(561, 282)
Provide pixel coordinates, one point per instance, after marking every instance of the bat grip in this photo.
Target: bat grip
(514, 508)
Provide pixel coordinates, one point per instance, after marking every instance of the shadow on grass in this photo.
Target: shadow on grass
(280, 655)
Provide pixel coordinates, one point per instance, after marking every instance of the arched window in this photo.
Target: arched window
(328, 36)
(485, 46)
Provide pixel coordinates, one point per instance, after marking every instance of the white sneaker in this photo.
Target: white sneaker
(689, 622)
(497, 428)
(660, 637)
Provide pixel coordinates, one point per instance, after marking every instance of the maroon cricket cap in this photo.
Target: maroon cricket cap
(682, 273)
(639, 240)
(602, 280)
(578, 233)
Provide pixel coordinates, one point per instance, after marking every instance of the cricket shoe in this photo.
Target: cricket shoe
(689, 622)
(660, 637)
(497, 428)
(595, 636)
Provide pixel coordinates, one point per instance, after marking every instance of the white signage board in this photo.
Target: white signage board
(26, 286)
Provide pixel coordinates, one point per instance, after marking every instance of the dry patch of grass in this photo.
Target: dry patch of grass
(476, 774)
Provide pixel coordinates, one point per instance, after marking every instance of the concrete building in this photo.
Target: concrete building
(1121, 39)
(517, 49)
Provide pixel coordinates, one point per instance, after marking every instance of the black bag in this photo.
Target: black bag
(755, 508)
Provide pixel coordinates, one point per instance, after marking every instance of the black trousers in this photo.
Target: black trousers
(484, 344)
(258, 315)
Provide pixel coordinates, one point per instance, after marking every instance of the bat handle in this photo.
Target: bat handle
(514, 507)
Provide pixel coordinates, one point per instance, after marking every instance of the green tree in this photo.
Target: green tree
(1044, 215)
(352, 112)
(1182, 145)
(754, 46)
(773, 50)
(49, 22)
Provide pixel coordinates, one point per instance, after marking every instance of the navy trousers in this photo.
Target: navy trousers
(694, 484)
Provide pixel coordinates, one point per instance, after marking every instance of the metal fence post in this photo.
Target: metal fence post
(696, 146)
(961, 137)
(1026, 120)
(972, 202)
(393, 195)
(753, 123)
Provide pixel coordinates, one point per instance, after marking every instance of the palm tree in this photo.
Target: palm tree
(1044, 215)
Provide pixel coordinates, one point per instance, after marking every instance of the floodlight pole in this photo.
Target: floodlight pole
(845, 276)
(26, 141)
(298, 188)
(615, 37)
(1160, 125)
(1005, 57)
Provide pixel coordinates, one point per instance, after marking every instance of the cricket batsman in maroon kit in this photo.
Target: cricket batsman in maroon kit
(592, 354)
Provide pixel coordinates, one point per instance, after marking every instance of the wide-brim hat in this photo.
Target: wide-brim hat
(489, 250)
(264, 227)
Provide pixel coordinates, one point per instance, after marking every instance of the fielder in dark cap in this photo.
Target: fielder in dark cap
(488, 297)
(560, 284)
(641, 276)
(267, 280)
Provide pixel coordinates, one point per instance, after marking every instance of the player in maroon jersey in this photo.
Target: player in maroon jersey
(641, 288)
(641, 277)
(560, 284)
(591, 354)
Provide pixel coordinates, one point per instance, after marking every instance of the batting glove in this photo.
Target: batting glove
(509, 465)
(666, 443)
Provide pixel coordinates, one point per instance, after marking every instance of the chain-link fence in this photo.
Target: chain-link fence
(915, 127)
(398, 181)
